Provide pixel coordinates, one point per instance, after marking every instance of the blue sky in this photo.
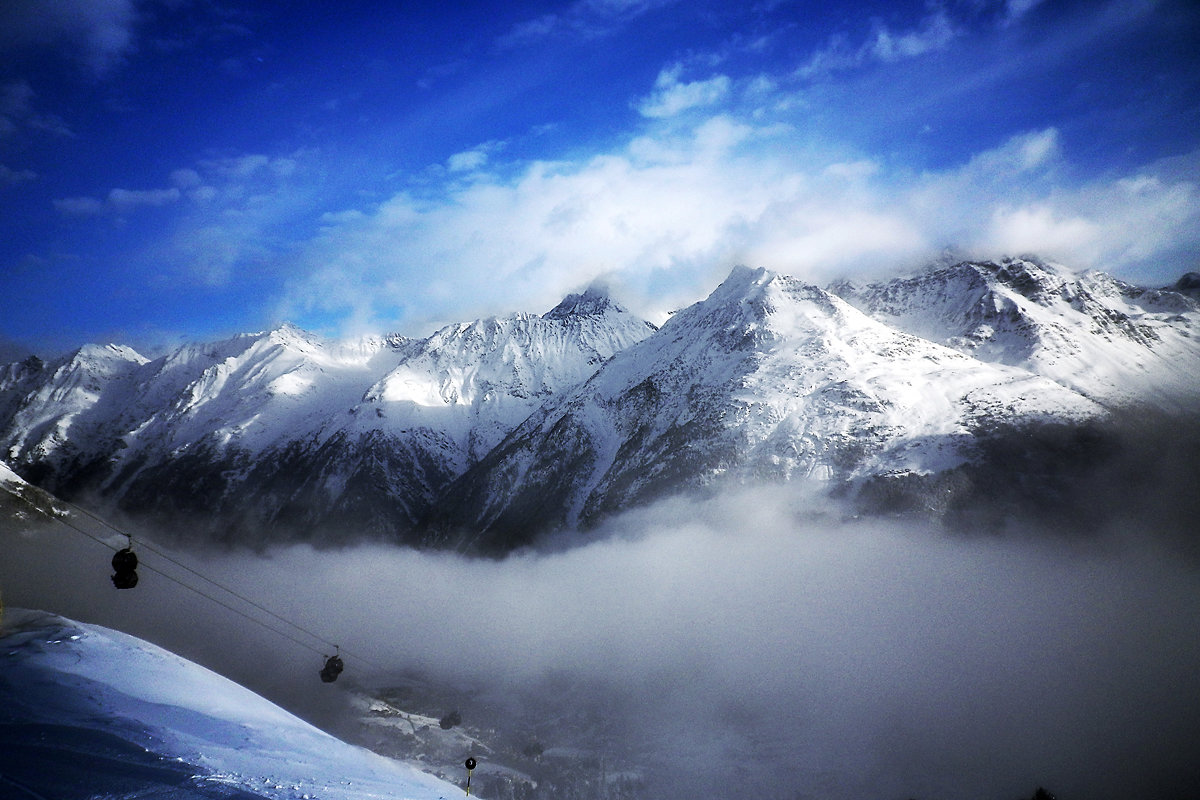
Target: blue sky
(192, 168)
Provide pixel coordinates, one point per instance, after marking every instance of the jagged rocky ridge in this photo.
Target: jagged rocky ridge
(487, 433)
(281, 435)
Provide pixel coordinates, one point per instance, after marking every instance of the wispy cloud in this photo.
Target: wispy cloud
(118, 201)
(670, 96)
(583, 18)
(18, 112)
(475, 158)
(225, 215)
(1015, 9)
(934, 32)
(98, 33)
(10, 176)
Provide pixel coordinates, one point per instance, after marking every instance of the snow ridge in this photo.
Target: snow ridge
(283, 430)
(768, 378)
(1108, 340)
(489, 431)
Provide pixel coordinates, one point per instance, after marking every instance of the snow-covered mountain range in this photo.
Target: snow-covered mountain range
(490, 431)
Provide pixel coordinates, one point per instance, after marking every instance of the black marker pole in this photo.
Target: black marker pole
(470, 768)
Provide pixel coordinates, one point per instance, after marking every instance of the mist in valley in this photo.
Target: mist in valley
(757, 643)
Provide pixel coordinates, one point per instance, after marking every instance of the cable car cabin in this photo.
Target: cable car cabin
(124, 564)
(333, 667)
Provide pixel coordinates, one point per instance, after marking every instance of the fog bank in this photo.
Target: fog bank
(755, 644)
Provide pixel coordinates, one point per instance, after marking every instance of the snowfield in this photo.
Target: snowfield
(88, 712)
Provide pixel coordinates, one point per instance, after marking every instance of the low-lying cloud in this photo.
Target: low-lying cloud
(755, 644)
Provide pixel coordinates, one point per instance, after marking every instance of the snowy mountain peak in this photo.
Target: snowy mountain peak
(753, 308)
(561, 417)
(743, 281)
(291, 335)
(1031, 277)
(113, 353)
(1110, 341)
(594, 301)
(770, 377)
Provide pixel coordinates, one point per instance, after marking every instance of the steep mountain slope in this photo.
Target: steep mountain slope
(512, 424)
(281, 434)
(1115, 343)
(768, 377)
(476, 381)
(89, 712)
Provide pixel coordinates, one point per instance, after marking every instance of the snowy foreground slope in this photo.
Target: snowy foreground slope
(88, 712)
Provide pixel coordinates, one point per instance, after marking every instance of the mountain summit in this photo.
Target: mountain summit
(491, 431)
(1108, 340)
(281, 433)
(768, 378)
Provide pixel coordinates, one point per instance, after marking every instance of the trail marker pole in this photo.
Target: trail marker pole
(470, 765)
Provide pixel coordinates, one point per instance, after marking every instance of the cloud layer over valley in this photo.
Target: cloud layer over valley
(754, 642)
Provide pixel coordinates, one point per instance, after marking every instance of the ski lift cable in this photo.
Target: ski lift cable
(145, 544)
(239, 612)
(175, 580)
(154, 549)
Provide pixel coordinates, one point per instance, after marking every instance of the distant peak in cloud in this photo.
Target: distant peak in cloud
(593, 300)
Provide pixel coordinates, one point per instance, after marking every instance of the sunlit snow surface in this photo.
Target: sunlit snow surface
(88, 712)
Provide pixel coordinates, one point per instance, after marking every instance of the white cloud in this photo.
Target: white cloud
(688, 202)
(1130, 221)
(1038, 228)
(466, 161)
(670, 97)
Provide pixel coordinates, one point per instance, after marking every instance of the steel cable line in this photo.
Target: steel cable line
(173, 579)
